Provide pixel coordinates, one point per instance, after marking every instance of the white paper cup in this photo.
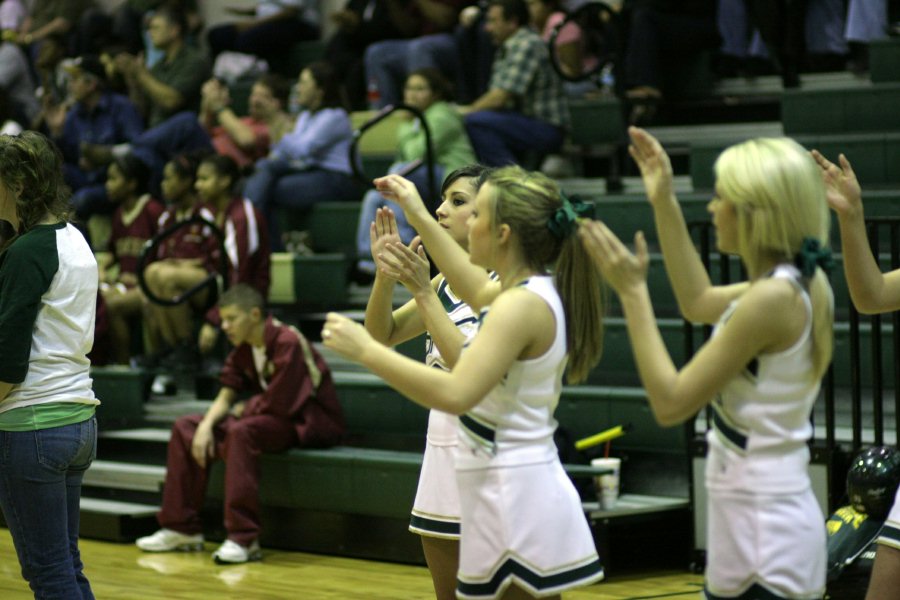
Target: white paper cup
(607, 486)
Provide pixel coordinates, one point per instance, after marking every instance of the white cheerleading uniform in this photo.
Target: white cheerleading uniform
(435, 510)
(522, 519)
(890, 533)
(766, 531)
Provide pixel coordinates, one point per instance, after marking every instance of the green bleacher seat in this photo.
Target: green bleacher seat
(319, 280)
(884, 60)
(842, 110)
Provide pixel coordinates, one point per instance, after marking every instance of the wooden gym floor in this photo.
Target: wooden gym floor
(122, 572)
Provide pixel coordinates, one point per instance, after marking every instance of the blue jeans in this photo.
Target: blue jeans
(276, 183)
(389, 62)
(40, 491)
(502, 138)
(179, 133)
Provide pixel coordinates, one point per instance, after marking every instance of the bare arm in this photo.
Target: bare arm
(442, 15)
(494, 98)
(500, 341)
(470, 282)
(769, 318)
(698, 300)
(871, 290)
(386, 325)
(412, 270)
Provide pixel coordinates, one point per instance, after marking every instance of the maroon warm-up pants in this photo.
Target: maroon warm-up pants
(239, 443)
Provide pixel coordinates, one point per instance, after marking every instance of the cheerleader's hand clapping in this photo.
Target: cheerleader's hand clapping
(841, 186)
(409, 266)
(654, 163)
(403, 192)
(383, 232)
(345, 336)
(624, 271)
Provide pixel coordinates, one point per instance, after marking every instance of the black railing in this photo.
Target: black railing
(599, 38)
(355, 162)
(879, 382)
(213, 281)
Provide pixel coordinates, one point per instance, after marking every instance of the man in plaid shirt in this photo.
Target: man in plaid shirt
(524, 112)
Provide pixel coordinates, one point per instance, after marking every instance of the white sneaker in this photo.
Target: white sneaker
(167, 540)
(231, 552)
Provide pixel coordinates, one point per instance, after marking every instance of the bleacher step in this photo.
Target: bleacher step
(125, 476)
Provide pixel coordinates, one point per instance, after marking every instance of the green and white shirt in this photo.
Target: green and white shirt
(48, 302)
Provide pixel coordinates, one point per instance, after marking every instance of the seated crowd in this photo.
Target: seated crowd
(150, 137)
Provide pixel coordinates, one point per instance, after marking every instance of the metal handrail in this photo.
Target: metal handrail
(597, 13)
(429, 148)
(149, 251)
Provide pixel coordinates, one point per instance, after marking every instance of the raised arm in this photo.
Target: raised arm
(871, 290)
(470, 282)
(698, 300)
(386, 325)
(500, 341)
(411, 268)
(769, 318)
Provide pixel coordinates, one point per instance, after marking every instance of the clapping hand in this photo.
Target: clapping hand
(408, 265)
(345, 336)
(841, 186)
(654, 163)
(403, 192)
(623, 270)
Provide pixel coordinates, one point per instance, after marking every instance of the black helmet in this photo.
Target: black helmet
(872, 481)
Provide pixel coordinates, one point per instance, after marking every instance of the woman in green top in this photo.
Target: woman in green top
(427, 90)
(48, 433)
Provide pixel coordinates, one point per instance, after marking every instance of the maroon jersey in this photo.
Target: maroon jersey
(193, 241)
(131, 230)
(295, 384)
(247, 247)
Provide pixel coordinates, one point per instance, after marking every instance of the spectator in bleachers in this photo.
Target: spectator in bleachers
(524, 112)
(312, 163)
(217, 128)
(292, 402)
(97, 116)
(189, 247)
(172, 84)
(545, 16)
(17, 84)
(388, 62)
(663, 34)
(476, 51)
(247, 254)
(269, 28)
(428, 91)
(12, 15)
(134, 222)
(51, 18)
(359, 24)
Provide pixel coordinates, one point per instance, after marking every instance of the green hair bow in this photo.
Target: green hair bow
(564, 220)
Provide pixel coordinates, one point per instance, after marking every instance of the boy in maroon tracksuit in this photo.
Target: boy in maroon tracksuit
(293, 403)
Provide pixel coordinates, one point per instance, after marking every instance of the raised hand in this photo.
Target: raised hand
(403, 192)
(383, 231)
(409, 265)
(654, 163)
(841, 186)
(345, 336)
(623, 270)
